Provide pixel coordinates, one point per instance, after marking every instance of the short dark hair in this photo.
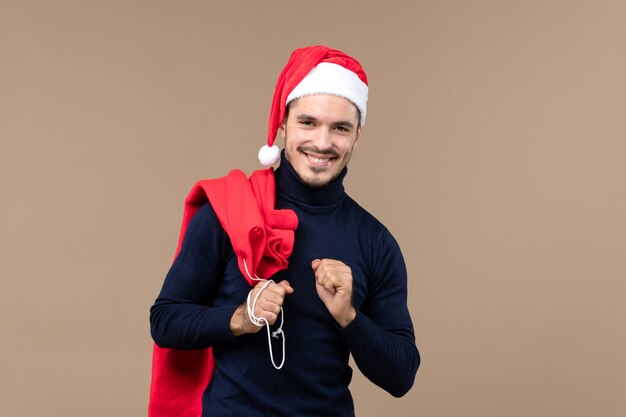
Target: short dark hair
(358, 124)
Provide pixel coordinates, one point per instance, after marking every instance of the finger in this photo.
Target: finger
(259, 285)
(270, 317)
(334, 270)
(330, 286)
(327, 283)
(337, 269)
(315, 264)
(281, 289)
(262, 290)
(268, 297)
(330, 267)
(330, 262)
(268, 308)
(287, 286)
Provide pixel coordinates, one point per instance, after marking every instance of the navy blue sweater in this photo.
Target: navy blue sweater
(314, 380)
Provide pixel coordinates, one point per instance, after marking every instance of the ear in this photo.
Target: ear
(281, 130)
(358, 135)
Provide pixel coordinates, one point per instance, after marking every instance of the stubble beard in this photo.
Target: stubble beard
(318, 171)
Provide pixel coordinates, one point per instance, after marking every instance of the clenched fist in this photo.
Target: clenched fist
(267, 307)
(333, 282)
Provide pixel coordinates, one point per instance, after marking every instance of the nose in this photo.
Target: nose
(321, 140)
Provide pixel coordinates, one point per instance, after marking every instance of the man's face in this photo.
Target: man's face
(320, 133)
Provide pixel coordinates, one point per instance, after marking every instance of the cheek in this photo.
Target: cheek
(345, 146)
(295, 138)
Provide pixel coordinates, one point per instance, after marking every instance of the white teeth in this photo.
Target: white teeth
(318, 160)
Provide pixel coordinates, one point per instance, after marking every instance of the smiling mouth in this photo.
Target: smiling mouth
(317, 159)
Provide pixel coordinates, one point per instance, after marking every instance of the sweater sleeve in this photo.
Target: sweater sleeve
(381, 337)
(181, 317)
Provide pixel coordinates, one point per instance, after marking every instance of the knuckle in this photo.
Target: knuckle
(258, 309)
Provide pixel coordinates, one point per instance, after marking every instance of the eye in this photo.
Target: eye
(306, 122)
(342, 128)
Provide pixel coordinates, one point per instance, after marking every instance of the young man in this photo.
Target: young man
(321, 275)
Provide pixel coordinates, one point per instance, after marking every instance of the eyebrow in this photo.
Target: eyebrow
(307, 117)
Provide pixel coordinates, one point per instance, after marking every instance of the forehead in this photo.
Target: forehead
(324, 106)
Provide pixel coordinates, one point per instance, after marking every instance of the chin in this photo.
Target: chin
(316, 180)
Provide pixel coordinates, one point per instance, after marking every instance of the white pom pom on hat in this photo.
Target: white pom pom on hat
(314, 70)
(269, 155)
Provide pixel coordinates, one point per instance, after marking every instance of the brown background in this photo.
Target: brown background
(494, 151)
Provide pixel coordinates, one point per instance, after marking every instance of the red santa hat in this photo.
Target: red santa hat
(314, 70)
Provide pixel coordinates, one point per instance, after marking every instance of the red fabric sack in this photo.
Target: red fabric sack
(260, 235)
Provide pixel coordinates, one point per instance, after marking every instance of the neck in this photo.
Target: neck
(290, 186)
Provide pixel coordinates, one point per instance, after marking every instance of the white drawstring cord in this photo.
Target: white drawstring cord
(261, 321)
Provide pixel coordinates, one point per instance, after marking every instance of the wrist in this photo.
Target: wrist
(347, 318)
(238, 321)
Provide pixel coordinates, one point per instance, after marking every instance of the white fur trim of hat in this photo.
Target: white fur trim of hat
(329, 78)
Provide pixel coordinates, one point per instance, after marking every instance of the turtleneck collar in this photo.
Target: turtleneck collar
(289, 185)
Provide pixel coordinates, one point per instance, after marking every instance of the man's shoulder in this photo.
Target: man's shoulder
(205, 219)
(364, 216)
(374, 237)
